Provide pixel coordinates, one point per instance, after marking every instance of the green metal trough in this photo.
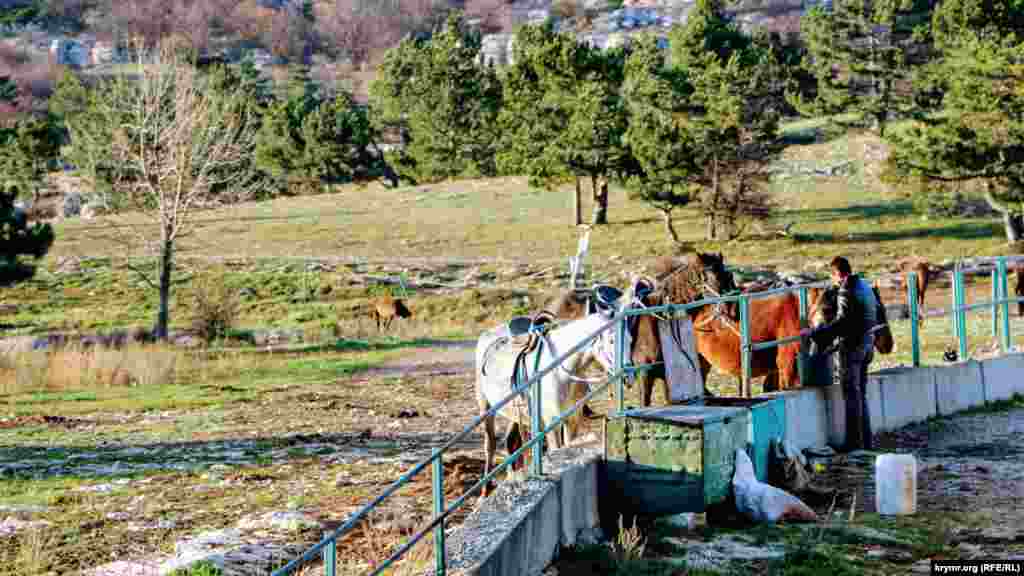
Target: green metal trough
(681, 458)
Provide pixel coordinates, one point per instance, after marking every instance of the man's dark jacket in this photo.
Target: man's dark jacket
(856, 313)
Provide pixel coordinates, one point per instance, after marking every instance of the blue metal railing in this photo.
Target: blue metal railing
(327, 547)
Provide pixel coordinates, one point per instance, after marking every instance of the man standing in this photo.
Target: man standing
(855, 317)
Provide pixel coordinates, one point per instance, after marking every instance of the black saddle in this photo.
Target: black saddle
(604, 298)
(519, 325)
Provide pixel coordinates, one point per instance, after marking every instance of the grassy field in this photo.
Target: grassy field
(188, 440)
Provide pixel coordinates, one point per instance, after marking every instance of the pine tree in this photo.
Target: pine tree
(859, 54)
(19, 239)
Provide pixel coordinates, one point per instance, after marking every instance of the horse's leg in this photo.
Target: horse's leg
(771, 382)
(514, 441)
(665, 391)
(489, 446)
(645, 390)
(705, 369)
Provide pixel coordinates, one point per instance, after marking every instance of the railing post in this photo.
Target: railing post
(956, 300)
(620, 361)
(801, 364)
(995, 305)
(745, 348)
(440, 561)
(537, 467)
(915, 336)
(961, 314)
(330, 556)
(1007, 340)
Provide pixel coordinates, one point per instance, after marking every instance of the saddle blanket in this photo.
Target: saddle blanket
(679, 350)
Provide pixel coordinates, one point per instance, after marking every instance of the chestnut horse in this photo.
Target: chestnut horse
(717, 335)
(717, 332)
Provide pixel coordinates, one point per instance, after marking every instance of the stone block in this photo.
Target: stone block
(958, 387)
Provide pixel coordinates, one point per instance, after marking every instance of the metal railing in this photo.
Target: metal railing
(326, 549)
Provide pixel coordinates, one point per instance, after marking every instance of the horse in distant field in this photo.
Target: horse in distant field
(922, 274)
(509, 349)
(385, 309)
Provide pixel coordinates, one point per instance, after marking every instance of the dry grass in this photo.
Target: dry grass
(31, 551)
(76, 368)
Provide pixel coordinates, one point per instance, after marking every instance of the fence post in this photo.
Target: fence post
(745, 347)
(330, 557)
(440, 561)
(1005, 294)
(537, 466)
(620, 360)
(801, 364)
(915, 336)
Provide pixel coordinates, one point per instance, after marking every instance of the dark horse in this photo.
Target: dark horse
(822, 309)
(716, 328)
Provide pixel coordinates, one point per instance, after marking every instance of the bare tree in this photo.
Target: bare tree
(495, 15)
(155, 20)
(166, 145)
(362, 30)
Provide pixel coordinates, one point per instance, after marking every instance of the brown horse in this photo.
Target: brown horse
(683, 278)
(717, 335)
(717, 332)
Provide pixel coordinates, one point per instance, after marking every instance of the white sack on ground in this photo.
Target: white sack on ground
(762, 502)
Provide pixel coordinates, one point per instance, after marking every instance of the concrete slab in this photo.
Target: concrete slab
(835, 408)
(876, 404)
(1003, 377)
(958, 387)
(909, 396)
(576, 471)
(806, 420)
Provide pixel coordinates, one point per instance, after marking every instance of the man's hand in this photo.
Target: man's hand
(822, 338)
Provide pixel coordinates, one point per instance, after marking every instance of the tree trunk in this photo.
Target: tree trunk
(669, 226)
(166, 266)
(600, 189)
(1012, 222)
(712, 229)
(577, 203)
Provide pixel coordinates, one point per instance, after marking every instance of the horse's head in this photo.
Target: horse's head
(821, 307)
(693, 277)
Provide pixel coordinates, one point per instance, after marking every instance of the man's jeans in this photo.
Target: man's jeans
(852, 373)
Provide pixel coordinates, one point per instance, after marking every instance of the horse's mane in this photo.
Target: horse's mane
(678, 277)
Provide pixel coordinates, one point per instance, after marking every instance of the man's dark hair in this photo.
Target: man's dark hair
(841, 264)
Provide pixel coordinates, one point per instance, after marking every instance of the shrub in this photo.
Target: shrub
(215, 307)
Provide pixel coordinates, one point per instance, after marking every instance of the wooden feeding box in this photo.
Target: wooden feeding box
(681, 458)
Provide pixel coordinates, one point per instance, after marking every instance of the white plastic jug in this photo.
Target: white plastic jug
(895, 484)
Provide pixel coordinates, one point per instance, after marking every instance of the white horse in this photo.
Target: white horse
(561, 388)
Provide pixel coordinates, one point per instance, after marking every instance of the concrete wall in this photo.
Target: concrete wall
(897, 397)
(519, 529)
